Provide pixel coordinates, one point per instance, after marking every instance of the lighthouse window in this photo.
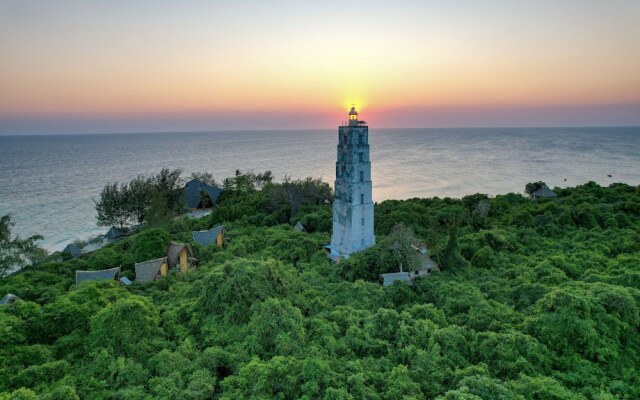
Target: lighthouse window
(360, 157)
(361, 176)
(361, 198)
(360, 138)
(362, 221)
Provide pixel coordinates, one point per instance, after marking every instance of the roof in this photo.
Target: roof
(147, 271)
(114, 233)
(125, 281)
(8, 299)
(105, 274)
(206, 238)
(428, 263)
(72, 249)
(543, 191)
(192, 192)
(299, 227)
(173, 252)
(388, 279)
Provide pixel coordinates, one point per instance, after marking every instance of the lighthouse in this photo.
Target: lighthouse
(353, 203)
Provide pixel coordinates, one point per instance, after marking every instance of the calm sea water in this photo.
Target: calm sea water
(48, 183)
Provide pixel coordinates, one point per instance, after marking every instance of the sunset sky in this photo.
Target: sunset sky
(130, 66)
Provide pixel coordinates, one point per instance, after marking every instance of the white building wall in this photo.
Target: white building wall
(352, 214)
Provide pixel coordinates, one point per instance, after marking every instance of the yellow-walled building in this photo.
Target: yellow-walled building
(180, 255)
(214, 235)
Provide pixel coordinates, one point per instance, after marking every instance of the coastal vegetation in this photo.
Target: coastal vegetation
(15, 252)
(534, 300)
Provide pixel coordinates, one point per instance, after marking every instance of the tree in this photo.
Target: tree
(533, 186)
(139, 198)
(451, 257)
(295, 193)
(15, 253)
(170, 184)
(277, 328)
(247, 181)
(400, 241)
(205, 177)
(112, 208)
(124, 204)
(122, 326)
(158, 213)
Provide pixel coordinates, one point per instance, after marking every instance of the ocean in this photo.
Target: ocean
(48, 183)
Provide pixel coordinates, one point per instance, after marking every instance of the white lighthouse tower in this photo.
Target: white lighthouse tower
(353, 204)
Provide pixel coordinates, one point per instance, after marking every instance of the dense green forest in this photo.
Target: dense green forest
(535, 300)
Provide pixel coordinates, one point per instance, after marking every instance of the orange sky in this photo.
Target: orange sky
(251, 64)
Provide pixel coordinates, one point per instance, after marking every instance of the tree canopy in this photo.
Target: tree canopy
(535, 300)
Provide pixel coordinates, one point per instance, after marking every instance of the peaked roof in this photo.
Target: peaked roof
(72, 249)
(173, 252)
(114, 233)
(543, 191)
(147, 271)
(299, 227)
(8, 299)
(105, 274)
(388, 279)
(428, 263)
(192, 192)
(206, 238)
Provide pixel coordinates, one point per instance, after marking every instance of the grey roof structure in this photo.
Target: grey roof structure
(105, 274)
(428, 263)
(173, 253)
(543, 191)
(207, 238)
(192, 191)
(299, 227)
(389, 279)
(73, 250)
(114, 233)
(8, 299)
(148, 271)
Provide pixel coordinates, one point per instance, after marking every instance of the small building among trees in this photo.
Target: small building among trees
(299, 227)
(115, 233)
(180, 255)
(105, 274)
(212, 236)
(538, 190)
(9, 298)
(151, 270)
(73, 250)
(390, 278)
(198, 194)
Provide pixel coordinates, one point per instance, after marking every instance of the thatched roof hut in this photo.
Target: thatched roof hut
(105, 274)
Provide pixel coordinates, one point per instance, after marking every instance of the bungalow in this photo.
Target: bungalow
(198, 194)
(180, 255)
(9, 298)
(542, 192)
(114, 233)
(151, 270)
(105, 274)
(73, 250)
(389, 279)
(214, 235)
(427, 265)
(299, 227)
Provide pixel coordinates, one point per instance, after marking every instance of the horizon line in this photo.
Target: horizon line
(314, 129)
